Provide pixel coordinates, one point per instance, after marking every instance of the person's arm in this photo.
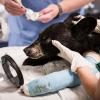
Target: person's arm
(67, 6)
(88, 80)
(97, 93)
(72, 5)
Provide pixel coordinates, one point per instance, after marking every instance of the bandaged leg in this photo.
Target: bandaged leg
(51, 83)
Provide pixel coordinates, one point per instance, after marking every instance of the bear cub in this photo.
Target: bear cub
(80, 37)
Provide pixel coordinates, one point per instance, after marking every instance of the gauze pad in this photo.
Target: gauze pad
(31, 15)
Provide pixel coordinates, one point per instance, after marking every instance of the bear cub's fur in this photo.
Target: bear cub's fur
(80, 37)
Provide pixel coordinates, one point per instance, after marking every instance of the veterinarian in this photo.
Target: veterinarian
(23, 31)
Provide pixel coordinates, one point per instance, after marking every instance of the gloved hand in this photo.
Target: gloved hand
(73, 57)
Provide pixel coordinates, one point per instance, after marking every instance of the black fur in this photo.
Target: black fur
(79, 37)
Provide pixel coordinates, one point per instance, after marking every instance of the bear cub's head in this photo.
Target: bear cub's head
(79, 37)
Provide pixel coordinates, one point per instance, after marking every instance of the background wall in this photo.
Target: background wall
(97, 3)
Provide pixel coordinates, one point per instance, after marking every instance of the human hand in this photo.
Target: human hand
(73, 57)
(48, 13)
(14, 7)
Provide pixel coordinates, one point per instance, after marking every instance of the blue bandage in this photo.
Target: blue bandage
(53, 82)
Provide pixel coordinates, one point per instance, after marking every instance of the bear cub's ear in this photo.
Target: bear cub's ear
(83, 28)
(70, 18)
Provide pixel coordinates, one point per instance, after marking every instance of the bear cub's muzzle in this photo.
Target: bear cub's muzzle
(34, 52)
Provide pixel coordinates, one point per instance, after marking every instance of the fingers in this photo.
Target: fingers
(45, 15)
(61, 47)
(48, 13)
(15, 13)
(45, 18)
(14, 8)
(46, 10)
(57, 44)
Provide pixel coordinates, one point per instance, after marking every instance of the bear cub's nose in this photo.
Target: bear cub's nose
(27, 51)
